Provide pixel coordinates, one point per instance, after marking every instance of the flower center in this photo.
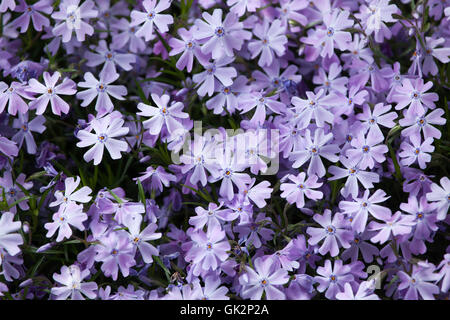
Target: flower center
(109, 56)
(209, 246)
(190, 45)
(330, 32)
(365, 149)
(352, 171)
(24, 127)
(102, 137)
(263, 282)
(211, 69)
(151, 15)
(333, 278)
(301, 186)
(12, 192)
(101, 87)
(417, 151)
(331, 230)
(220, 32)
(314, 150)
(421, 122)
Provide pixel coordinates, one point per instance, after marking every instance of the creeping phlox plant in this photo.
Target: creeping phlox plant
(224, 149)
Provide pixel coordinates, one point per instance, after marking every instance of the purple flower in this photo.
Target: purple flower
(359, 244)
(13, 96)
(230, 172)
(8, 148)
(115, 251)
(9, 239)
(209, 249)
(198, 159)
(353, 174)
(373, 17)
(313, 108)
(367, 150)
(71, 281)
(331, 231)
(333, 279)
(101, 89)
(296, 191)
(271, 40)
(151, 16)
(289, 10)
(159, 177)
(359, 208)
(140, 238)
(50, 93)
(212, 289)
(257, 193)
(371, 120)
(423, 123)
(7, 4)
(32, 11)
(326, 38)
(414, 94)
(162, 114)
(313, 150)
(70, 215)
(264, 278)
(25, 131)
(71, 17)
(206, 80)
(442, 54)
(189, 47)
(220, 38)
(444, 273)
(13, 192)
(397, 224)
(259, 100)
(229, 96)
(418, 284)
(424, 215)
(106, 129)
(70, 195)
(363, 71)
(273, 80)
(440, 196)
(256, 231)
(365, 292)
(240, 6)
(125, 34)
(212, 216)
(417, 151)
(109, 59)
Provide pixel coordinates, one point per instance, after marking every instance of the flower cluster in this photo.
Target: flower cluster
(256, 149)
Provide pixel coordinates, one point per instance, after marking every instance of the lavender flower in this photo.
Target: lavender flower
(50, 93)
(106, 129)
(72, 285)
(263, 279)
(151, 16)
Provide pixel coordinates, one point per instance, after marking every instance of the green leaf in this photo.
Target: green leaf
(115, 196)
(166, 271)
